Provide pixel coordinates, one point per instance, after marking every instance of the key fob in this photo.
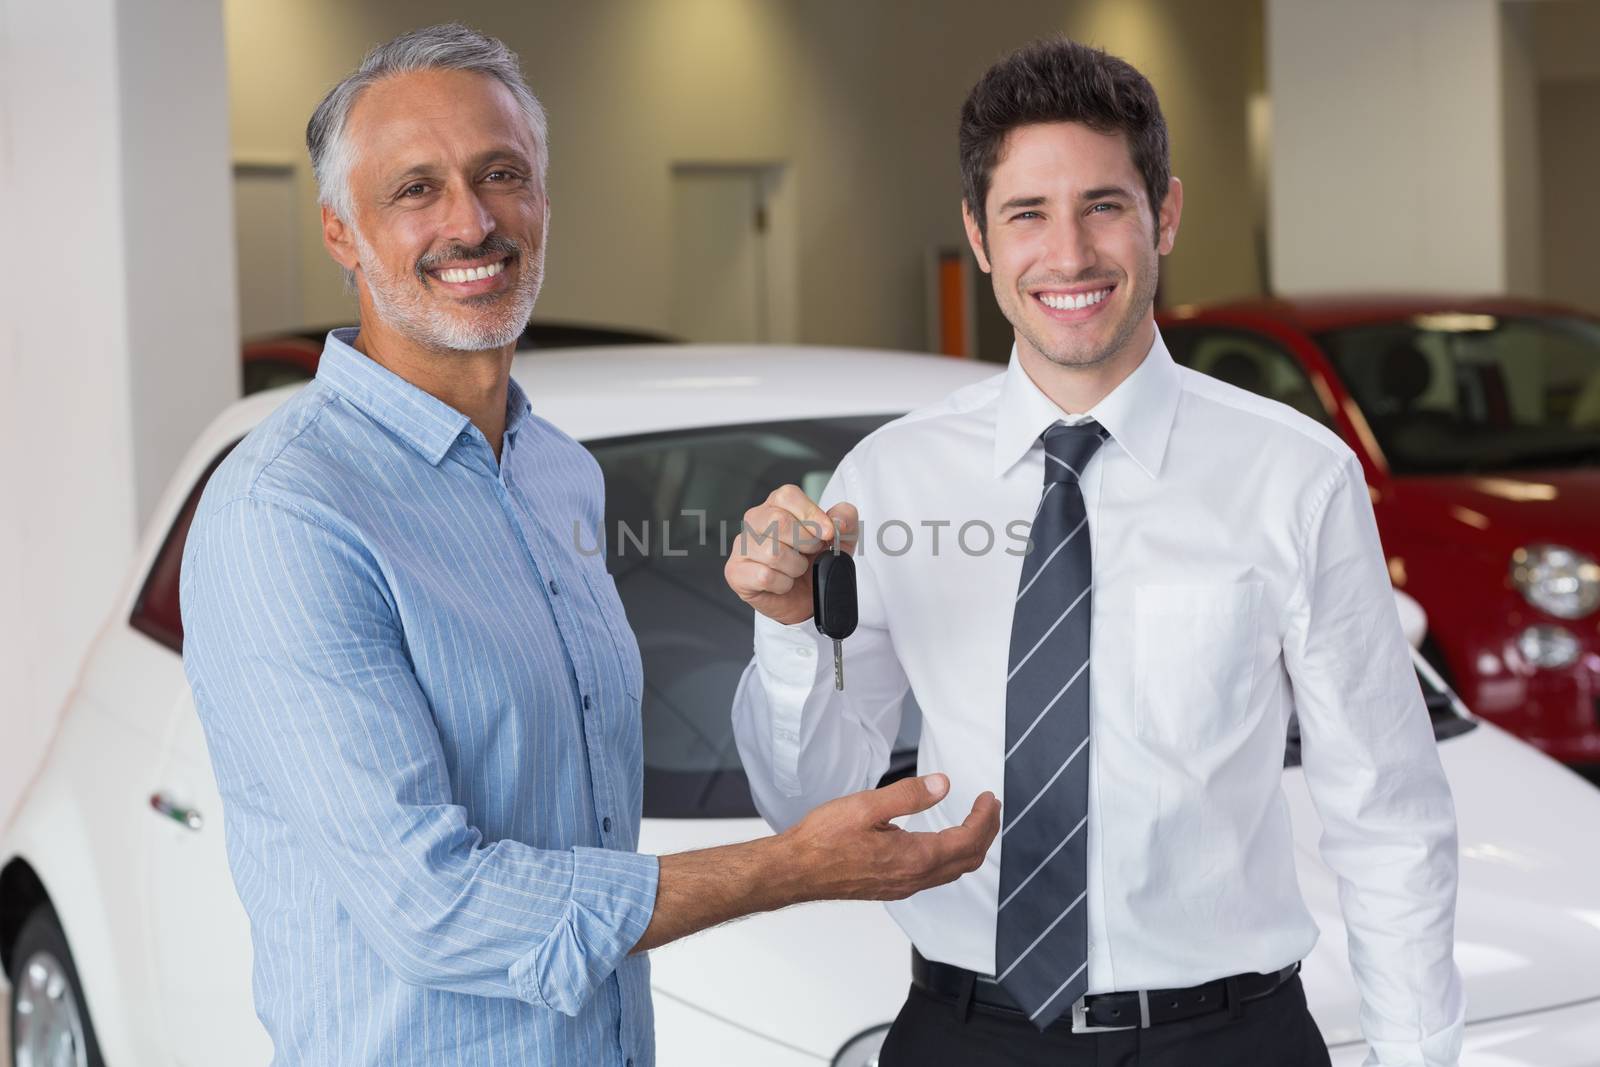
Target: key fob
(833, 594)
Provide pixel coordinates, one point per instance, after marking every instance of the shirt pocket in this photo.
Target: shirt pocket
(1193, 660)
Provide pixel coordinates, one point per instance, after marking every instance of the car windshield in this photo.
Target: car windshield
(1453, 393)
(674, 501)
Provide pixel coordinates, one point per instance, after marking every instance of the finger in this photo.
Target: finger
(794, 500)
(847, 522)
(790, 562)
(774, 554)
(983, 821)
(969, 842)
(750, 577)
(768, 527)
(906, 797)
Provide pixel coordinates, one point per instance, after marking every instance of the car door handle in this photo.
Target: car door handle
(184, 816)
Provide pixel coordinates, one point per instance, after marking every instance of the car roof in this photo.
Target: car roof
(599, 392)
(1328, 311)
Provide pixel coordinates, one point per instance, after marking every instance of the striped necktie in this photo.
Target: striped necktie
(1041, 931)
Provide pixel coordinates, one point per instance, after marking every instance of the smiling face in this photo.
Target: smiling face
(1073, 245)
(449, 211)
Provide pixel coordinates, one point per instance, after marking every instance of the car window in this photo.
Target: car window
(1249, 360)
(674, 502)
(155, 612)
(1470, 393)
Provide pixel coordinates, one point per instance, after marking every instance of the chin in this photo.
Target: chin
(1075, 358)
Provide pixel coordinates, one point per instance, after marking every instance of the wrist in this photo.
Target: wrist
(783, 874)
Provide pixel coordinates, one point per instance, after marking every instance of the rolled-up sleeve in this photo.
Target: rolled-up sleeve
(315, 719)
(1373, 770)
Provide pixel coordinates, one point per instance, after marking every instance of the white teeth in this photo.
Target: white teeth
(1072, 301)
(472, 274)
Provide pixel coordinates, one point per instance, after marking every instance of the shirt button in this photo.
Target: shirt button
(586, 702)
(606, 824)
(804, 653)
(464, 438)
(553, 590)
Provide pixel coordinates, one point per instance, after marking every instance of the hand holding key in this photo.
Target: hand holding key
(770, 563)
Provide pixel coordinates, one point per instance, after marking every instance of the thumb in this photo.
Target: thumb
(909, 796)
(846, 525)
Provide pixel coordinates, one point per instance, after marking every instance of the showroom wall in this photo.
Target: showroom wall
(1435, 145)
(118, 335)
(1566, 34)
(859, 100)
(1387, 153)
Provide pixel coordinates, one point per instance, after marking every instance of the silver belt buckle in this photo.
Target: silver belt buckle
(1080, 1017)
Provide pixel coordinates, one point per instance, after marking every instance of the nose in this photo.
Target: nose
(467, 219)
(1069, 247)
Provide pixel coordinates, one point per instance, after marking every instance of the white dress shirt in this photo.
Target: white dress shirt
(1237, 577)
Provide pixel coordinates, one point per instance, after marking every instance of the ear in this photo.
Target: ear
(975, 238)
(339, 240)
(1171, 212)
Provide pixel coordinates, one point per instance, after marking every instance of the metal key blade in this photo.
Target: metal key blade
(838, 664)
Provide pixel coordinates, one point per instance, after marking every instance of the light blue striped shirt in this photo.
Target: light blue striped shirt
(422, 704)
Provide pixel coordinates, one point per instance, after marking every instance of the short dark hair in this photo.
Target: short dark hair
(1059, 80)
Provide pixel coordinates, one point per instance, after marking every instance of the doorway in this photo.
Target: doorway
(266, 214)
(733, 253)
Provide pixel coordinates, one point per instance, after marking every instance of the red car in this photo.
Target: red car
(1478, 424)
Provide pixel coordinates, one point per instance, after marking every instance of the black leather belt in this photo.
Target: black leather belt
(1106, 1011)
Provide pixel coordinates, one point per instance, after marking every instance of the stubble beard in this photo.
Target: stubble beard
(490, 320)
(1064, 355)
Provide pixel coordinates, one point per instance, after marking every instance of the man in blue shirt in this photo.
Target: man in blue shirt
(421, 698)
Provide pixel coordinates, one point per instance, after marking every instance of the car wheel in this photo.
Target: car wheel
(50, 1024)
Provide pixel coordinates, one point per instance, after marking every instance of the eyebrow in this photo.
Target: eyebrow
(1106, 192)
(1103, 192)
(429, 169)
(1022, 202)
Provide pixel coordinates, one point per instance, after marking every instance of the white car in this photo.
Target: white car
(116, 901)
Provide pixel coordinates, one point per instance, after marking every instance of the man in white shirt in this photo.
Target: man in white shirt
(1211, 554)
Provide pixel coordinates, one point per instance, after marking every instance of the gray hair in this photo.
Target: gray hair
(450, 46)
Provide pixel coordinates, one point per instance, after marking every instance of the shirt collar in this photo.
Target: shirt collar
(420, 419)
(1138, 413)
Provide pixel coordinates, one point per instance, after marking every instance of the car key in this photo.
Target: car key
(833, 603)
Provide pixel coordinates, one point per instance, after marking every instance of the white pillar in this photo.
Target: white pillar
(118, 329)
(1389, 155)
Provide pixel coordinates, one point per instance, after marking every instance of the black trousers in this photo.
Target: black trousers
(1275, 1031)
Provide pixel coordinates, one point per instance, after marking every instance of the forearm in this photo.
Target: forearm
(708, 887)
(847, 849)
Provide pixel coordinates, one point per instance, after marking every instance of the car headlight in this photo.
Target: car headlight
(1556, 579)
(1548, 646)
(862, 1050)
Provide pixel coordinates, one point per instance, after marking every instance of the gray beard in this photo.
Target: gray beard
(499, 318)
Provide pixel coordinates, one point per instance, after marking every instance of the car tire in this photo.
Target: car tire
(50, 1022)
